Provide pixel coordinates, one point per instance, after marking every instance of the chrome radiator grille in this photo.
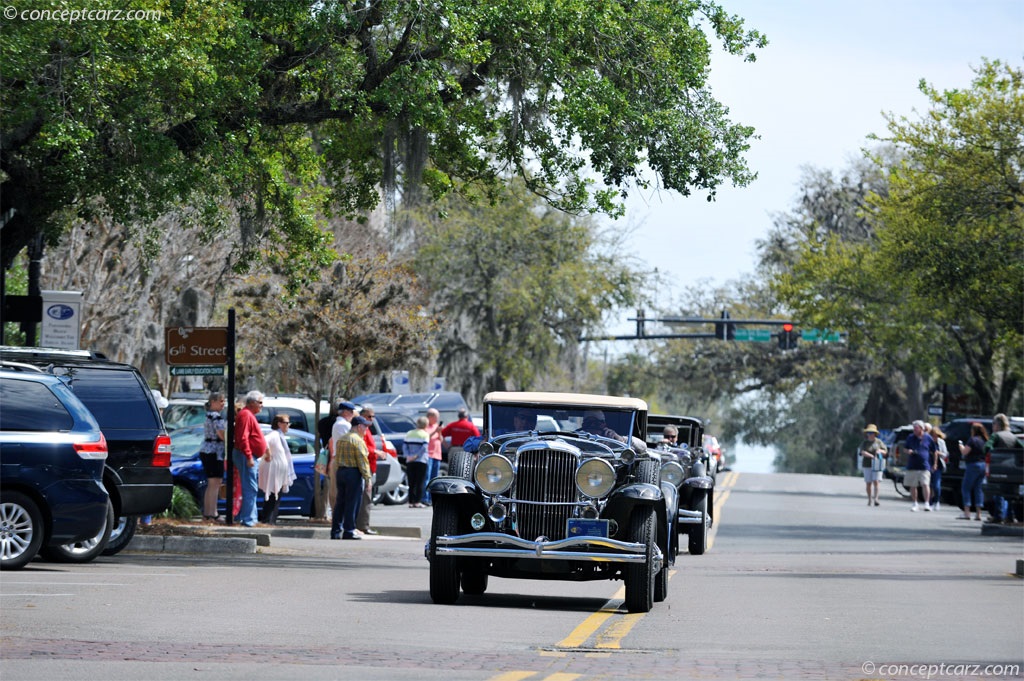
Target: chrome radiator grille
(549, 478)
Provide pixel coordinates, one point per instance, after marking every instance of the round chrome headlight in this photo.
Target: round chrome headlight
(628, 456)
(485, 448)
(672, 473)
(595, 478)
(494, 474)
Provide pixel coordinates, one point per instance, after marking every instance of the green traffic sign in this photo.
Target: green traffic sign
(206, 370)
(819, 336)
(753, 335)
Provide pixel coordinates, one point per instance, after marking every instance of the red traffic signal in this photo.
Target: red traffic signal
(787, 337)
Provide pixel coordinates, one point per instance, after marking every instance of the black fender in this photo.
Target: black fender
(623, 500)
(665, 541)
(701, 482)
(448, 486)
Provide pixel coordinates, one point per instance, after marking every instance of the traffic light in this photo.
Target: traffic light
(787, 337)
(725, 330)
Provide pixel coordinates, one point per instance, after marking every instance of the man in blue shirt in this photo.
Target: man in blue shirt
(920, 449)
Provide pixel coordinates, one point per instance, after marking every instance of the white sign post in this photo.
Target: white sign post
(62, 320)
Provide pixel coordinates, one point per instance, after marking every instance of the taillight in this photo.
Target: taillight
(390, 448)
(162, 451)
(92, 450)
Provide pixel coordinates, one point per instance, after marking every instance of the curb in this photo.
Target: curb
(241, 540)
(1000, 530)
(173, 544)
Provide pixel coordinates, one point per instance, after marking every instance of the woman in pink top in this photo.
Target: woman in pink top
(433, 449)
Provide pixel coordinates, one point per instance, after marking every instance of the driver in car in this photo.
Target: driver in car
(594, 422)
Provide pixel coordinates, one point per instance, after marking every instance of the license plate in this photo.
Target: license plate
(586, 527)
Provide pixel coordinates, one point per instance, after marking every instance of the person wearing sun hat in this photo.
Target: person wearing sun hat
(872, 461)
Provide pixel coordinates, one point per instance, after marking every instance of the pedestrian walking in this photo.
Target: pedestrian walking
(872, 461)
(920, 454)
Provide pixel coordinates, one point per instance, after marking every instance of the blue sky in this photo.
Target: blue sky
(815, 93)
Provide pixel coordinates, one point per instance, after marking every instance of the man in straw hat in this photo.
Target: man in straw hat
(872, 461)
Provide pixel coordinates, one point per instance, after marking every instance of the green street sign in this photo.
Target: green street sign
(819, 336)
(197, 370)
(753, 335)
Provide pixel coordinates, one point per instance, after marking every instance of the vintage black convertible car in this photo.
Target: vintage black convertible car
(694, 479)
(580, 502)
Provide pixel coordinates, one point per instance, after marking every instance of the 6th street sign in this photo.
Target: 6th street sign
(192, 345)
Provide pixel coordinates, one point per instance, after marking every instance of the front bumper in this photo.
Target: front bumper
(498, 545)
(686, 517)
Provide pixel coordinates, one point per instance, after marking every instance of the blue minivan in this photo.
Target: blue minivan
(52, 452)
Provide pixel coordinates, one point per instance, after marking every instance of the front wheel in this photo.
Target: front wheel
(699, 533)
(21, 530)
(640, 577)
(85, 550)
(444, 570)
(121, 535)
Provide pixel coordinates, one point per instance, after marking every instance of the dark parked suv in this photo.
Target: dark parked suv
(137, 474)
(52, 498)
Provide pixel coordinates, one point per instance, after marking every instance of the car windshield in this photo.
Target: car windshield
(508, 418)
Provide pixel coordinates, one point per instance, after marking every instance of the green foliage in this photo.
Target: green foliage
(281, 114)
(935, 285)
(354, 321)
(183, 505)
(518, 284)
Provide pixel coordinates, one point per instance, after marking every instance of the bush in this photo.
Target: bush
(183, 505)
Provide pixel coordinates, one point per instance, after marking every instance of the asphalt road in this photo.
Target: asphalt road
(802, 581)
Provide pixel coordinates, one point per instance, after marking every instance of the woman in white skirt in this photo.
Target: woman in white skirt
(277, 472)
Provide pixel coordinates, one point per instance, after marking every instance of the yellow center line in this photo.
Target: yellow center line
(612, 637)
(594, 622)
(512, 676)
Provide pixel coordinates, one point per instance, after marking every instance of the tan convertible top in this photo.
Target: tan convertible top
(566, 399)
